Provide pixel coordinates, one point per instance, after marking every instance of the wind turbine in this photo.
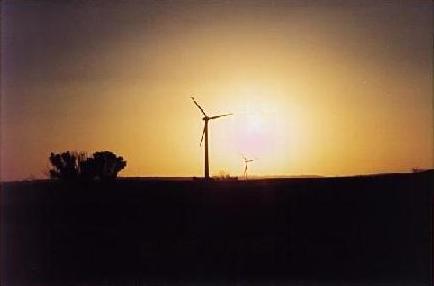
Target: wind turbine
(246, 161)
(206, 118)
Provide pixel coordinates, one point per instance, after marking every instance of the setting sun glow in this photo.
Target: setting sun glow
(314, 89)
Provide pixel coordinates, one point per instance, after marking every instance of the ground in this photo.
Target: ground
(321, 231)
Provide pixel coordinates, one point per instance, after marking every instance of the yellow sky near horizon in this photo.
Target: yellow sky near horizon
(314, 90)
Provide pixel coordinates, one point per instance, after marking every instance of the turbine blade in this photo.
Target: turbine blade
(201, 139)
(218, 116)
(197, 104)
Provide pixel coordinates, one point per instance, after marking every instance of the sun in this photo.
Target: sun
(267, 125)
(257, 124)
(255, 133)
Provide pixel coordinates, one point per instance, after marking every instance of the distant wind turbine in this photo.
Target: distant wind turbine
(246, 161)
(206, 118)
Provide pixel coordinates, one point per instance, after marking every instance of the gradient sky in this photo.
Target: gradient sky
(316, 87)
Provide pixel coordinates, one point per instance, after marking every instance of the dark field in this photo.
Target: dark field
(329, 231)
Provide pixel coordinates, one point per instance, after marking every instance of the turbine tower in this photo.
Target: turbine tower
(206, 118)
(246, 161)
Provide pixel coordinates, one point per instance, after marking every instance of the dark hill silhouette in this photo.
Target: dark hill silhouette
(369, 229)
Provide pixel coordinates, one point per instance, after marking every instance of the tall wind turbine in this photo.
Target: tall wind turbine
(206, 118)
(246, 161)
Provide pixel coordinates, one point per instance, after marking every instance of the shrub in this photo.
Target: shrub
(66, 165)
(107, 165)
(70, 165)
(224, 176)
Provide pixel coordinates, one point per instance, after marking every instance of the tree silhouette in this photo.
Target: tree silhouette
(107, 164)
(70, 165)
(66, 165)
(87, 169)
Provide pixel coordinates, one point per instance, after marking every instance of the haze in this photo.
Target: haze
(328, 89)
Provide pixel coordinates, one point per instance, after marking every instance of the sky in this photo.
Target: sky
(328, 88)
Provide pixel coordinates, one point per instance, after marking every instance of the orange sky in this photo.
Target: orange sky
(320, 89)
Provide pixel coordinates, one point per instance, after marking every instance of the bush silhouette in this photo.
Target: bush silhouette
(71, 165)
(87, 169)
(107, 165)
(66, 165)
